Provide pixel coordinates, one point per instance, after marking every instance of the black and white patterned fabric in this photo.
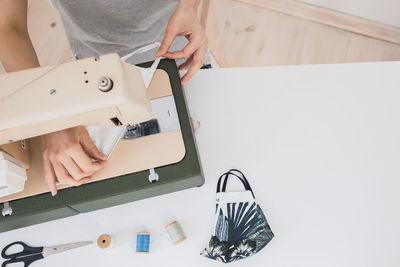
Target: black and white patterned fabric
(241, 228)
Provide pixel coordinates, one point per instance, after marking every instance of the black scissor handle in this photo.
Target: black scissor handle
(27, 260)
(26, 251)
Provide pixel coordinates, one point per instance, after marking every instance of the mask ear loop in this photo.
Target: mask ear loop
(147, 73)
(141, 50)
(242, 178)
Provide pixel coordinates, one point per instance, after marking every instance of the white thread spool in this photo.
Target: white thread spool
(175, 232)
(105, 241)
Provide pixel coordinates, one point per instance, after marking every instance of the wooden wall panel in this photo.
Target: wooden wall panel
(243, 34)
(365, 49)
(329, 17)
(47, 34)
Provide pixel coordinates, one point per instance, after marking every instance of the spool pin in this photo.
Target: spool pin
(143, 242)
(175, 232)
(105, 241)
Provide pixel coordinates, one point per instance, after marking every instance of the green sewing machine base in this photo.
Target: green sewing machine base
(127, 188)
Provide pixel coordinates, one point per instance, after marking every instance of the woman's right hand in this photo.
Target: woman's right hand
(67, 157)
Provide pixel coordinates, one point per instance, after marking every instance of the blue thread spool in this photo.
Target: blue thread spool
(143, 242)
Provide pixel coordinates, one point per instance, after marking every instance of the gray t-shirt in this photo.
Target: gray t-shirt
(97, 27)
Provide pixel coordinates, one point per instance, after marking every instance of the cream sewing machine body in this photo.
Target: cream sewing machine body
(106, 92)
(84, 92)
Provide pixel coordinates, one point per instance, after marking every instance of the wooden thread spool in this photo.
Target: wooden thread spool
(175, 232)
(105, 241)
(143, 242)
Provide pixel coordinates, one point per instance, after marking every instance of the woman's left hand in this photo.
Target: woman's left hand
(184, 22)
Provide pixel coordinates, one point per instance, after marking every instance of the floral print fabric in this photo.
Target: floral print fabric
(241, 229)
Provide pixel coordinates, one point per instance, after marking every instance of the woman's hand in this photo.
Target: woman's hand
(184, 22)
(67, 157)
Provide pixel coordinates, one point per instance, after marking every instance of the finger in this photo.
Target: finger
(64, 177)
(187, 51)
(89, 146)
(49, 176)
(198, 59)
(73, 169)
(186, 63)
(84, 161)
(166, 43)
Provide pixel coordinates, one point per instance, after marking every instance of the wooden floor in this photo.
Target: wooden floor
(243, 33)
(47, 33)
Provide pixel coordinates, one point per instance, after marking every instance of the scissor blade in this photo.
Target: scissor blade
(47, 251)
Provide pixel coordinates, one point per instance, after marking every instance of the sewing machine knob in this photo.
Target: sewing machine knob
(105, 84)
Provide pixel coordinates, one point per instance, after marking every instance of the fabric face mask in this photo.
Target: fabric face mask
(240, 228)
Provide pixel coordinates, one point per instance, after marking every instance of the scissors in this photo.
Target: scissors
(31, 254)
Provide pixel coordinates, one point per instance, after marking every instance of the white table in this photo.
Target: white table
(321, 148)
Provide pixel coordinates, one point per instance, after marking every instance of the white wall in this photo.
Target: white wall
(383, 11)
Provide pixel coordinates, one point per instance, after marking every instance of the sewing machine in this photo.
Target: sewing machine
(156, 153)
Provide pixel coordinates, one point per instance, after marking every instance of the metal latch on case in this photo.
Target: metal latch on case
(7, 210)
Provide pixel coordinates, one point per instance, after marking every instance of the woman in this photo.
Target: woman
(93, 28)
